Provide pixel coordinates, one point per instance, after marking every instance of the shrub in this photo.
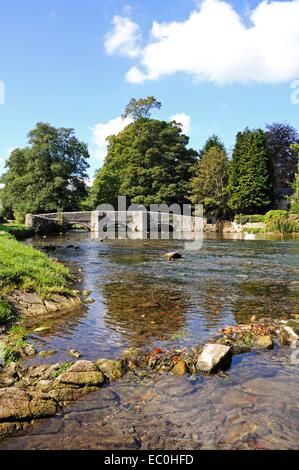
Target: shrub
(275, 214)
(244, 219)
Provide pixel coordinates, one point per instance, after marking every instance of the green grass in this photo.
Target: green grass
(25, 268)
(63, 368)
(14, 227)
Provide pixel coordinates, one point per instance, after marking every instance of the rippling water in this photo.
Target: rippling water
(143, 300)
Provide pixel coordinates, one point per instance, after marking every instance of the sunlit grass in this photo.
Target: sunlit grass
(25, 268)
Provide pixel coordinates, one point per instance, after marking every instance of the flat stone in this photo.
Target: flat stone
(89, 378)
(112, 369)
(66, 394)
(28, 298)
(214, 357)
(14, 405)
(42, 408)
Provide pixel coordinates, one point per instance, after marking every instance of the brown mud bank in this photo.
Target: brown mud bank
(29, 394)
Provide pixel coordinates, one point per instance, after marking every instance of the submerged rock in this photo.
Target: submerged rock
(214, 357)
(74, 353)
(82, 373)
(49, 353)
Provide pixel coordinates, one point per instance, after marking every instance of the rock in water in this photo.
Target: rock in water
(74, 353)
(172, 256)
(214, 357)
(287, 335)
(180, 368)
(264, 342)
(113, 369)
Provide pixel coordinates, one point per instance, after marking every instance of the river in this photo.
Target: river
(142, 300)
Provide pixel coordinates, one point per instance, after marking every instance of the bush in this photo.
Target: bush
(244, 219)
(275, 214)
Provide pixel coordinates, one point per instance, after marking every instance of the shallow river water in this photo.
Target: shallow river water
(143, 300)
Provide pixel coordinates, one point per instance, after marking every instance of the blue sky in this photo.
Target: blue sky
(77, 64)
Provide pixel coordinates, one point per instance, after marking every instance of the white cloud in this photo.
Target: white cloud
(101, 131)
(185, 120)
(214, 44)
(124, 38)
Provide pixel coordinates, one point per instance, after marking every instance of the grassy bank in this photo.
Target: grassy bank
(20, 231)
(22, 267)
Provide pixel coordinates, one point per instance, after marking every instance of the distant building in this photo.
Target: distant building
(282, 198)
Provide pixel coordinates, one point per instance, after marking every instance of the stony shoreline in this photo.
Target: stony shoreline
(31, 393)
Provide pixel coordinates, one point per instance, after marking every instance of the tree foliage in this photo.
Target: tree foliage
(148, 162)
(213, 141)
(48, 175)
(251, 174)
(295, 203)
(209, 185)
(142, 108)
(280, 137)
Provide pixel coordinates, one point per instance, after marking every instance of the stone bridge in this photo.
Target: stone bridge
(98, 221)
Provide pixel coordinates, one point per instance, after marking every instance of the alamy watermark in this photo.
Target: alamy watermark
(295, 94)
(2, 92)
(160, 221)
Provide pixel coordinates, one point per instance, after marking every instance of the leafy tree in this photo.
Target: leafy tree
(280, 137)
(48, 175)
(251, 174)
(295, 204)
(148, 162)
(213, 141)
(141, 109)
(209, 186)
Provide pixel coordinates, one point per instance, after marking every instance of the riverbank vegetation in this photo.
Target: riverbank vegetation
(150, 161)
(22, 267)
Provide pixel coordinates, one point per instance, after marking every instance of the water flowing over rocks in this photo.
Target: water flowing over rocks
(29, 393)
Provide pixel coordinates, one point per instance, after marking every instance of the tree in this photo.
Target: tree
(213, 141)
(141, 109)
(295, 203)
(280, 137)
(48, 175)
(251, 174)
(209, 186)
(148, 162)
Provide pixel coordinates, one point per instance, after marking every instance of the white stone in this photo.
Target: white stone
(213, 357)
